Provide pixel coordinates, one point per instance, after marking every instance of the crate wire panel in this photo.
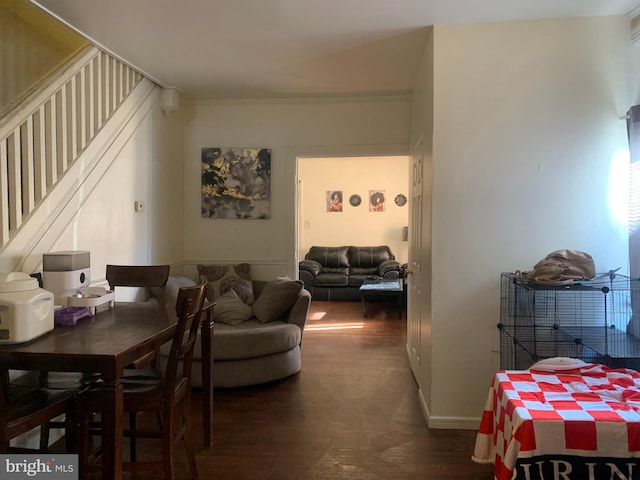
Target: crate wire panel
(591, 320)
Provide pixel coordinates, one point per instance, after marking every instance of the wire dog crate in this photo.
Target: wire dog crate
(597, 321)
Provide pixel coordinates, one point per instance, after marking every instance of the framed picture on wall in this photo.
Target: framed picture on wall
(376, 200)
(236, 183)
(334, 200)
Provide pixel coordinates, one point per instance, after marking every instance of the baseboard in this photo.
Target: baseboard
(453, 423)
(446, 423)
(424, 406)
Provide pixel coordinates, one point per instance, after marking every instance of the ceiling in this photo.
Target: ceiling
(217, 49)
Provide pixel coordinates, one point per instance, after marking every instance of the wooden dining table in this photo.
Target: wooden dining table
(106, 343)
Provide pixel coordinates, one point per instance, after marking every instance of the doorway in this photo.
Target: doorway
(335, 204)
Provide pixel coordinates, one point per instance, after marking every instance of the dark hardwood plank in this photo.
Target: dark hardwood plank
(351, 413)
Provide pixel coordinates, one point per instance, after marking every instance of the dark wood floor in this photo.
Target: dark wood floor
(351, 413)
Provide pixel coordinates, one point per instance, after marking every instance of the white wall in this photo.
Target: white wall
(527, 130)
(32, 46)
(149, 169)
(354, 225)
(291, 129)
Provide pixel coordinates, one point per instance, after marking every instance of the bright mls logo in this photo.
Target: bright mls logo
(58, 467)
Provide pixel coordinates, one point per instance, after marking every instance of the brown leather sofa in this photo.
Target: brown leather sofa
(336, 273)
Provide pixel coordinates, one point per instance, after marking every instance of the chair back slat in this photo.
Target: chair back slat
(137, 275)
(189, 305)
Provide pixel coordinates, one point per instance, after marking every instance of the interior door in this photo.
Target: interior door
(414, 287)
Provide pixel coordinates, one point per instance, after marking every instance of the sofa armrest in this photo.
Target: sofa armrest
(310, 266)
(298, 313)
(389, 269)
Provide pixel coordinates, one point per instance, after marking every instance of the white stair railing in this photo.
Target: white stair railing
(44, 136)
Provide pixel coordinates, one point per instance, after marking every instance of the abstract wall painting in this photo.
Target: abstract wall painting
(376, 200)
(236, 183)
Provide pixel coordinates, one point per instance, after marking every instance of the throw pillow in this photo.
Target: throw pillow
(230, 309)
(223, 278)
(276, 298)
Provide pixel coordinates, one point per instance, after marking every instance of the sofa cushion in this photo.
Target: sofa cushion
(331, 279)
(360, 271)
(222, 278)
(230, 309)
(252, 339)
(367, 257)
(277, 297)
(356, 280)
(332, 257)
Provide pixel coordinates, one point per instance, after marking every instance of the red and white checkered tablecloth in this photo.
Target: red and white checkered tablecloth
(593, 411)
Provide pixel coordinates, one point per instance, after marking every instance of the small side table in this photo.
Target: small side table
(387, 288)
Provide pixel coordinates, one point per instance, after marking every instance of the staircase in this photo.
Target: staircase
(53, 147)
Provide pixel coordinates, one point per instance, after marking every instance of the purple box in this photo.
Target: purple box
(69, 316)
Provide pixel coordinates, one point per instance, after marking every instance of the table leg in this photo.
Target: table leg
(4, 400)
(112, 431)
(364, 304)
(206, 329)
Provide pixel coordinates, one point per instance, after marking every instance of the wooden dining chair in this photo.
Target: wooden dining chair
(28, 406)
(54, 384)
(142, 276)
(167, 394)
(149, 276)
